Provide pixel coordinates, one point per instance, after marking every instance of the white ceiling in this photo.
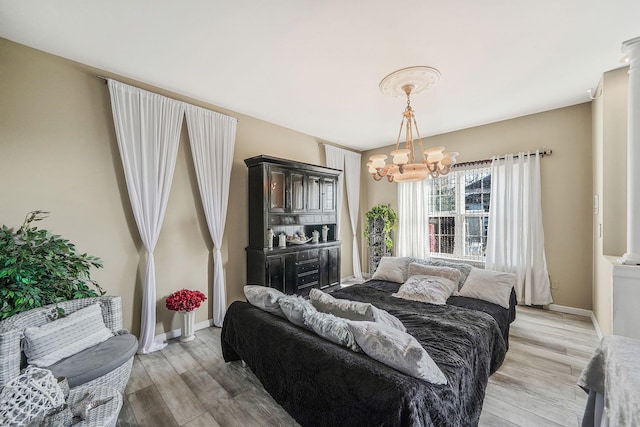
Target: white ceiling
(314, 65)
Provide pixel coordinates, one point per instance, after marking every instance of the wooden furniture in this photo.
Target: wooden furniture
(292, 198)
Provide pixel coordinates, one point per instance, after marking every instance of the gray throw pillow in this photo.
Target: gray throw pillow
(264, 298)
(352, 310)
(464, 269)
(294, 307)
(398, 350)
(331, 328)
(452, 274)
(429, 289)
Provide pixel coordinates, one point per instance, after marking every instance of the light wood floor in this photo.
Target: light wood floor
(188, 384)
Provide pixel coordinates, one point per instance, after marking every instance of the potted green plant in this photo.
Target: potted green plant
(39, 268)
(389, 219)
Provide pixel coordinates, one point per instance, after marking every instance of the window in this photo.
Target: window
(459, 213)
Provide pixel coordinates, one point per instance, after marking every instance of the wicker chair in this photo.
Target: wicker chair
(11, 331)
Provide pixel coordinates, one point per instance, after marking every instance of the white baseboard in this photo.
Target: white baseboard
(595, 325)
(578, 312)
(175, 333)
(570, 310)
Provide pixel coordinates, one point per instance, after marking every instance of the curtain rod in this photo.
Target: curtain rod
(543, 152)
(339, 146)
(106, 80)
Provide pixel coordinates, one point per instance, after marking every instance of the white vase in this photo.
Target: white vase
(187, 333)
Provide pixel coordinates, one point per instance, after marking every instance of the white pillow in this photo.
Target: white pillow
(353, 310)
(430, 270)
(264, 298)
(47, 344)
(398, 350)
(392, 269)
(331, 328)
(294, 307)
(489, 285)
(430, 289)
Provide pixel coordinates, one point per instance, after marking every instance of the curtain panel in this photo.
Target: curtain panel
(349, 162)
(413, 217)
(148, 132)
(212, 137)
(515, 235)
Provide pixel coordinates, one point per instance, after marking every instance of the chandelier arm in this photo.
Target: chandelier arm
(376, 176)
(409, 135)
(415, 123)
(390, 178)
(399, 133)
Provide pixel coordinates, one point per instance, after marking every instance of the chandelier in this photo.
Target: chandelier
(404, 167)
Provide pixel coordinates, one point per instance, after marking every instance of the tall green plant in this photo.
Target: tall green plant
(389, 218)
(38, 268)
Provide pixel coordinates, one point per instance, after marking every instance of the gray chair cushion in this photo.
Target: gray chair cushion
(96, 361)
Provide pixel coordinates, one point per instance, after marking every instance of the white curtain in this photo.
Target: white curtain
(352, 169)
(148, 132)
(335, 160)
(413, 216)
(213, 136)
(349, 162)
(515, 236)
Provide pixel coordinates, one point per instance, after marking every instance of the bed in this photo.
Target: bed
(323, 384)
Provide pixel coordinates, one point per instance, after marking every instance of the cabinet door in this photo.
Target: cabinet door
(275, 272)
(297, 192)
(277, 190)
(329, 267)
(314, 192)
(334, 266)
(328, 194)
(281, 273)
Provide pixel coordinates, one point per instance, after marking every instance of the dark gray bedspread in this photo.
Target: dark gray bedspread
(322, 384)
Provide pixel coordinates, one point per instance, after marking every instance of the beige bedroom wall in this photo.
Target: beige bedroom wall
(59, 153)
(566, 186)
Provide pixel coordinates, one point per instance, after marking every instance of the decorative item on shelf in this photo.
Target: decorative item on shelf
(282, 240)
(315, 236)
(405, 167)
(270, 236)
(298, 241)
(325, 233)
(185, 302)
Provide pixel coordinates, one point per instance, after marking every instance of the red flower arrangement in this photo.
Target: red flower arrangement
(185, 300)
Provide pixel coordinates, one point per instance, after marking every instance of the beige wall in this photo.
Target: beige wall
(59, 153)
(566, 186)
(609, 183)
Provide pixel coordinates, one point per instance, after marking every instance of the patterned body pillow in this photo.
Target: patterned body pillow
(353, 310)
(398, 350)
(54, 341)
